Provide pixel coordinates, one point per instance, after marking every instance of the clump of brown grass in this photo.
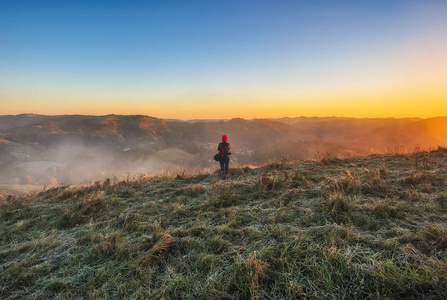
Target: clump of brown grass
(337, 203)
(2, 199)
(194, 190)
(255, 274)
(436, 236)
(157, 250)
(375, 184)
(108, 246)
(223, 195)
(11, 203)
(269, 181)
(383, 210)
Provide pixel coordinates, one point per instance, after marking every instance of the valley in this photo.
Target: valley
(41, 151)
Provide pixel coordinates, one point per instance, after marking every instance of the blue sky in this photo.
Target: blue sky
(171, 56)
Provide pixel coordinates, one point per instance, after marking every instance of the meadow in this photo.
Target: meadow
(371, 227)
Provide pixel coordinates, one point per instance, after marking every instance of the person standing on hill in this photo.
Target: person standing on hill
(224, 150)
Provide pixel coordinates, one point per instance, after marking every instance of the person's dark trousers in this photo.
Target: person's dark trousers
(224, 168)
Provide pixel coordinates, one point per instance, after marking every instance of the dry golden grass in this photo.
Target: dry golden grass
(358, 228)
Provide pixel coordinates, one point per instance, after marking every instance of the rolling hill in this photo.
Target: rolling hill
(74, 148)
(369, 227)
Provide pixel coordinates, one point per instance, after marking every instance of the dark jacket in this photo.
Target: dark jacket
(224, 149)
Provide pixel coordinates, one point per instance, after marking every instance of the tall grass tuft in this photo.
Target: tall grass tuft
(255, 274)
(156, 251)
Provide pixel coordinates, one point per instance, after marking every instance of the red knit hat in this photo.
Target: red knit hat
(224, 138)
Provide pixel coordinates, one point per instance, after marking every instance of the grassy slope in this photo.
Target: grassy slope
(373, 227)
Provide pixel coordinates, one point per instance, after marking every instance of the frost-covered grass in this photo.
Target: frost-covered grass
(372, 227)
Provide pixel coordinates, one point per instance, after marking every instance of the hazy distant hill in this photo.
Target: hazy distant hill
(38, 149)
(89, 129)
(293, 121)
(8, 122)
(379, 135)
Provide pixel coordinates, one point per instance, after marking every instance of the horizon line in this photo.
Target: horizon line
(217, 119)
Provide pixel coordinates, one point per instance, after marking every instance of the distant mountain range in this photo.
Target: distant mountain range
(37, 149)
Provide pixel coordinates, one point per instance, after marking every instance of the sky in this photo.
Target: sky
(224, 59)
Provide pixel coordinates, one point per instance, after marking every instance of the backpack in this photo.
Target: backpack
(225, 153)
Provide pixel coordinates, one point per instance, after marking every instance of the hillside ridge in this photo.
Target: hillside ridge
(369, 227)
(86, 148)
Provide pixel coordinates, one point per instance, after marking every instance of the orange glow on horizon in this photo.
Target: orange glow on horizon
(423, 105)
(424, 99)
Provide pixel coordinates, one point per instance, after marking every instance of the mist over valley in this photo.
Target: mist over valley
(39, 150)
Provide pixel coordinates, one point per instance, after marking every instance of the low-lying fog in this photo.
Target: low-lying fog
(38, 151)
(74, 164)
